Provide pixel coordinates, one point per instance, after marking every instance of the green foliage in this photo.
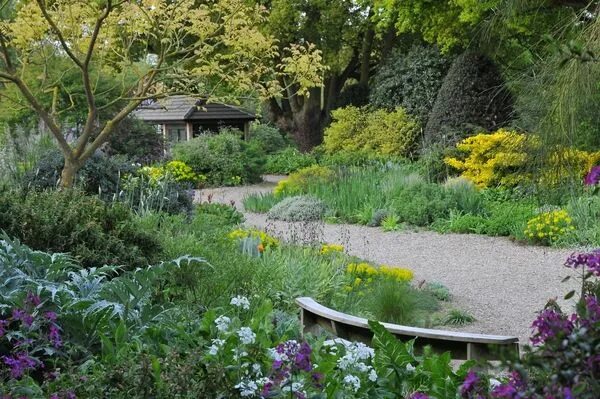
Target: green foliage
(225, 159)
(410, 80)
(94, 232)
(377, 132)
(438, 290)
(390, 223)
(354, 94)
(473, 96)
(298, 209)
(457, 317)
(101, 175)
(261, 203)
(401, 304)
(287, 161)
(138, 141)
(228, 214)
(268, 138)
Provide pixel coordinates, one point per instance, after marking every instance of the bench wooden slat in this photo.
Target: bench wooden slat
(461, 345)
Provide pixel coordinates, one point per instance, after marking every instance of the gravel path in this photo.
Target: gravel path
(501, 283)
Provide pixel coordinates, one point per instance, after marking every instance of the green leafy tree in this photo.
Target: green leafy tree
(352, 44)
(150, 49)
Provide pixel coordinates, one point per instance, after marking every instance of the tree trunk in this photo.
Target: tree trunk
(308, 122)
(69, 173)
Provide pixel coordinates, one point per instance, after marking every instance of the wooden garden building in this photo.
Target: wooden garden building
(181, 118)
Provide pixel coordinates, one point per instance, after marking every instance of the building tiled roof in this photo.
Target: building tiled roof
(185, 108)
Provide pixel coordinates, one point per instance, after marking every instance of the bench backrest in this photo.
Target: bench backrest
(460, 345)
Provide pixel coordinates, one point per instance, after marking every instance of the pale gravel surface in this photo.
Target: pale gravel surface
(499, 282)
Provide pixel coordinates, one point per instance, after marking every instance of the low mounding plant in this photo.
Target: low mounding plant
(94, 232)
(225, 159)
(375, 132)
(300, 208)
(287, 161)
(548, 227)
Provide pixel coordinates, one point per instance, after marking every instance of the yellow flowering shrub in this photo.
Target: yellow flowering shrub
(178, 170)
(378, 132)
(297, 182)
(549, 226)
(565, 163)
(396, 273)
(364, 273)
(331, 248)
(493, 159)
(266, 241)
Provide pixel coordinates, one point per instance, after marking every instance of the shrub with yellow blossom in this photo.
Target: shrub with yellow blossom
(297, 182)
(494, 158)
(363, 274)
(177, 170)
(547, 227)
(266, 241)
(564, 164)
(331, 249)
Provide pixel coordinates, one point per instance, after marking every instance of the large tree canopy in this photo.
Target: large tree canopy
(87, 55)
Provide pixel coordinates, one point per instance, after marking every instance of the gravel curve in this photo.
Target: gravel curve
(501, 283)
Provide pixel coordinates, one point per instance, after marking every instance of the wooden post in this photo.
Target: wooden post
(188, 130)
(246, 130)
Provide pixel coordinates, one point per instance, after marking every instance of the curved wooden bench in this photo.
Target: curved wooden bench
(461, 345)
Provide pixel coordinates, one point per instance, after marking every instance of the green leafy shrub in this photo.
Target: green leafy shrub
(298, 209)
(464, 196)
(421, 204)
(268, 138)
(145, 194)
(94, 232)
(377, 132)
(438, 290)
(228, 214)
(225, 159)
(287, 161)
(457, 317)
(410, 80)
(138, 141)
(473, 96)
(100, 175)
(378, 217)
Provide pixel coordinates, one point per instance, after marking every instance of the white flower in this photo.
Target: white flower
(247, 388)
(494, 383)
(362, 351)
(240, 302)
(363, 368)
(352, 381)
(256, 369)
(222, 323)
(372, 376)
(410, 368)
(246, 335)
(214, 348)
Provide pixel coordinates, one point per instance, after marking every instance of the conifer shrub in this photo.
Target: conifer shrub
(473, 97)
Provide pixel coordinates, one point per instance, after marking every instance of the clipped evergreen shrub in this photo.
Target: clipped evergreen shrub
(138, 141)
(410, 80)
(473, 97)
(302, 208)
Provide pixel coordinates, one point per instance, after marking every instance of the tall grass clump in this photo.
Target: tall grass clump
(261, 202)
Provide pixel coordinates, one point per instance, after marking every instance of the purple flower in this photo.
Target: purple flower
(54, 396)
(418, 395)
(54, 336)
(302, 359)
(33, 299)
(567, 393)
(550, 324)
(469, 383)
(50, 316)
(591, 260)
(593, 176)
(3, 325)
(71, 395)
(23, 316)
(19, 364)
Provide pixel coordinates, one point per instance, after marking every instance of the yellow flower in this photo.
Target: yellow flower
(331, 248)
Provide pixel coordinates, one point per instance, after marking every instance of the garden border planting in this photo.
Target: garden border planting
(462, 346)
